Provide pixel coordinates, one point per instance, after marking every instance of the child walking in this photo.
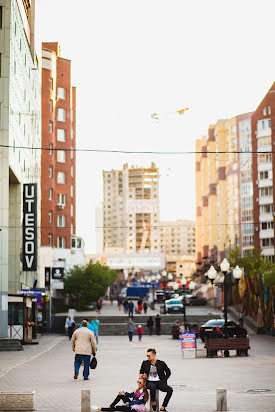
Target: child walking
(139, 332)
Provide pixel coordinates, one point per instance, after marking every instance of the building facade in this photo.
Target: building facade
(263, 166)
(20, 95)
(131, 209)
(178, 237)
(58, 161)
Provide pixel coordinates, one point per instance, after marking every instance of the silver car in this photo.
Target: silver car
(174, 306)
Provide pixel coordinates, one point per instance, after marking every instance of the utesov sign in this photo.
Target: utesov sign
(30, 227)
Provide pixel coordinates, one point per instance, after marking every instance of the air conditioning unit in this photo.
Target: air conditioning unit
(60, 205)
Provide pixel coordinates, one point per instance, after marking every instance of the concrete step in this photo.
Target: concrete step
(9, 345)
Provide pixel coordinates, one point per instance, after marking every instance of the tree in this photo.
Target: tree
(257, 287)
(86, 284)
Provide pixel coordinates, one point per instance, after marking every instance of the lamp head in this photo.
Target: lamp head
(164, 273)
(183, 281)
(170, 276)
(212, 273)
(225, 265)
(237, 273)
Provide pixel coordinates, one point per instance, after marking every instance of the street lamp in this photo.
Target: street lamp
(225, 268)
(183, 282)
(153, 279)
(212, 274)
(237, 273)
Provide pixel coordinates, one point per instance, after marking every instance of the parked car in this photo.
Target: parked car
(215, 328)
(160, 297)
(174, 306)
(197, 301)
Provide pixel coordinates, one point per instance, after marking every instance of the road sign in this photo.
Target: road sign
(188, 341)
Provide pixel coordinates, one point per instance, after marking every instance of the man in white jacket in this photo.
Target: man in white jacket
(83, 344)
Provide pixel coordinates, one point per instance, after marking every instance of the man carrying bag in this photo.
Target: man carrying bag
(83, 344)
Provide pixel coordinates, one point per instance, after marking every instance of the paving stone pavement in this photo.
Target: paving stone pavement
(50, 374)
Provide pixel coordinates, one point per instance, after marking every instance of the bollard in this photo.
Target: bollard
(85, 400)
(157, 401)
(221, 398)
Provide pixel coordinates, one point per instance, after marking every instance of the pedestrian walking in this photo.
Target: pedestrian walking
(145, 307)
(125, 305)
(130, 329)
(83, 345)
(158, 324)
(157, 375)
(187, 326)
(119, 302)
(133, 401)
(98, 306)
(139, 332)
(71, 325)
(139, 305)
(112, 300)
(131, 309)
(95, 326)
(150, 325)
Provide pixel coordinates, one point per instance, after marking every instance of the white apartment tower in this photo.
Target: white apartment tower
(131, 209)
(178, 237)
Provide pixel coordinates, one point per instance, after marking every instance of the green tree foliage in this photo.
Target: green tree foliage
(86, 284)
(259, 284)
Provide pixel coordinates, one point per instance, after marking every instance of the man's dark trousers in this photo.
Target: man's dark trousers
(163, 387)
(77, 363)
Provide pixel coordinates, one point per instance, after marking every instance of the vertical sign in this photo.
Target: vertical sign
(30, 227)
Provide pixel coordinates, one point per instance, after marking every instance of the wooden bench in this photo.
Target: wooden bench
(240, 345)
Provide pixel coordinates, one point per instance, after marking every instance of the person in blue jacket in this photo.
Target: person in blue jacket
(134, 401)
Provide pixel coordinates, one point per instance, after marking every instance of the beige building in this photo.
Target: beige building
(131, 209)
(178, 237)
(217, 191)
(181, 266)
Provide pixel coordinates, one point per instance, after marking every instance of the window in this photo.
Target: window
(51, 105)
(264, 158)
(61, 114)
(50, 193)
(61, 156)
(50, 126)
(266, 209)
(264, 174)
(264, 111)
(51, 83)
(1, 16)
(267, 225)
(50, 172)
(61, 199)
(266, 191)
(61, 136)
(50, 216)
(61, 221)
(61, 242)
(72, 210)
(268, 109)
(267, 242)
(61, 93)
(50, 149)
(72, 171)
(61, 178)
(50, 239)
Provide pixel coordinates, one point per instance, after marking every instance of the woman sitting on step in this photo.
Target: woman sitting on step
(134, 401)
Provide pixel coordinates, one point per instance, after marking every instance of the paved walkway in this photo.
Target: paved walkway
(48, 369)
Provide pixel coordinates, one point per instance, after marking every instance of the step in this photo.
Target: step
(9, 345)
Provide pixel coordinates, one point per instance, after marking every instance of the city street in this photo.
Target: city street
(47, 368)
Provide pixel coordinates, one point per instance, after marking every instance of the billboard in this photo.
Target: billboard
(29, 227)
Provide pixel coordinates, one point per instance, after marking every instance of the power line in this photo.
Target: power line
(133, 151)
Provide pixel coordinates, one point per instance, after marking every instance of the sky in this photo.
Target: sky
(134, 58)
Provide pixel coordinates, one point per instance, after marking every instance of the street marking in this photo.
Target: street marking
(33, 357)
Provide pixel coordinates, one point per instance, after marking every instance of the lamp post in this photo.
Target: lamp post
(153, 279)
(225, 268)
(183, 282)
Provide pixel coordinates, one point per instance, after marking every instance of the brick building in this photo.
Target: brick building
(58, 161)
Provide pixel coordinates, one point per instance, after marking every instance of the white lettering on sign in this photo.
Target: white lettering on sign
(29, 227)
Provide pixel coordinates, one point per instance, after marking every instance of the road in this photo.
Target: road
(47, 368)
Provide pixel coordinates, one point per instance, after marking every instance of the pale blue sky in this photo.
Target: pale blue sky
(133, 58)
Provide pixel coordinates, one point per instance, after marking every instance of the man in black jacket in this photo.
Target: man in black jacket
(157, 374)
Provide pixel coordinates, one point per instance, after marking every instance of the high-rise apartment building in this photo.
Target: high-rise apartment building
(263, 140)
(58, 161)
(244, 139)
(178, 237)
(19, 126)
(131, 209)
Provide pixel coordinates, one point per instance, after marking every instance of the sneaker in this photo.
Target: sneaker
(76, 375)
(86, 379)
(95, 408)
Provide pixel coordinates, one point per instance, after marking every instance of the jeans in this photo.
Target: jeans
(96, 335)
(130, 334)
(113, 406)
(163, 387)
(139, 337)
(77, 362)
(131, 313)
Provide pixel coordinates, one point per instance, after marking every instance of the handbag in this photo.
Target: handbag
(93, 363)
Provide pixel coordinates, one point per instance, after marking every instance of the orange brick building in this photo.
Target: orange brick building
(58, 161)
